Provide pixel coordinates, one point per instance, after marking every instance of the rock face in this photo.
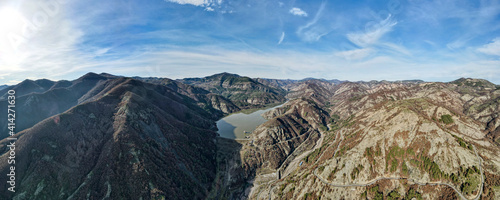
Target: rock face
(133, 140)
(242, 91)
(410, 130)
(301, 121)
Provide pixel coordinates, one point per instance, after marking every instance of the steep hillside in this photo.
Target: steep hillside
(388, 139)
(290, 85)
(278, 83)
(279, 137)
(204, 98)
(133, 140)
(37, 100)
(28, 86)
(108, 137)
(319, 91)
(242, 91)
(44, 98)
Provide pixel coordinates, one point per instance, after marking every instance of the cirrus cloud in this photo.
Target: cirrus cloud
(492, 48)
(201, 3)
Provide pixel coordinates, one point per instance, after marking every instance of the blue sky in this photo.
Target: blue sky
(439, 40)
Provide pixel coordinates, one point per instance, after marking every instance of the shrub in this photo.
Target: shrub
(394, 165)
(413, 194)
(379, 196)
(404, 168)
(446, 119)
(312, 156)
(393, 195)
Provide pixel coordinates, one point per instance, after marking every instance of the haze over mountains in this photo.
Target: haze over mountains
(109, 137)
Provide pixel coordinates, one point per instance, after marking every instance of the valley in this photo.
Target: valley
(241, 124)
(228, 136)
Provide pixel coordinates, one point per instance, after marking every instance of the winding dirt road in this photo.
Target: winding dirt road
(391, 178)
(409, 179)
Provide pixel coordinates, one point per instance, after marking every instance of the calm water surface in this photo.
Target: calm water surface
(241, 124)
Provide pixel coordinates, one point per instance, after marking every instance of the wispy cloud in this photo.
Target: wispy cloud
(465, 20)
(43, 47)
(355, 54)
(192, 2)
(209, 5)
(492, 48)
(298, 12)
(310, 32)
(281, 38)
(372, 35)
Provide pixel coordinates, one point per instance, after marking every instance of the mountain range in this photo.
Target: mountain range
(103, 136)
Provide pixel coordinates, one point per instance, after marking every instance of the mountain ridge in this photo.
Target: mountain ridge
(106, 136)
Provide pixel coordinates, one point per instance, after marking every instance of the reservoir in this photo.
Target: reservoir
(243, 123)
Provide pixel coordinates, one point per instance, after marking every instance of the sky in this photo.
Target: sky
(435, 40)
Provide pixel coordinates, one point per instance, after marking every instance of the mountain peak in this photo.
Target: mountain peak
(93, 76)
(473, 82)
(223, 74)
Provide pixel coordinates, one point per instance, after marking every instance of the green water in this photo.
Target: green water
(241, 124)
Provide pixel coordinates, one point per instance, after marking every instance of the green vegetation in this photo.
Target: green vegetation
(282, 187)
(474, 83)
(454, 178)
(446, 119)
(378, 151)
(341, 152)
(332, 175)
(363, 195)
(410, 151)
(431, 167)
(379, 196)
(413, 194)
(469, 186)
(334, 118)
(355, 98)
(355, 171)
(462, 143)
(393, 195)
(290, 181)
(307, 195)
(368, 152)
(410, 104)
(471, 180)
(404, 168)
(394, 165)
(337, 123)
(312, 156)
(301, 131)
(396, 151)
(392, 157)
